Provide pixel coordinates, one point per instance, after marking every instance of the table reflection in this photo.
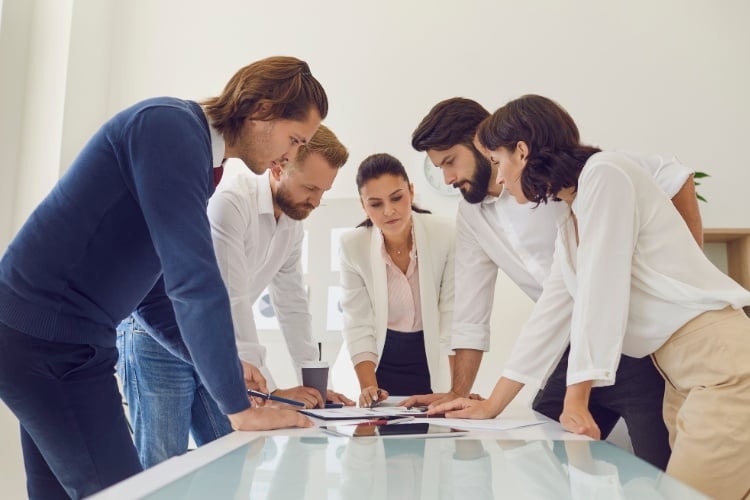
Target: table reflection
(314, 467)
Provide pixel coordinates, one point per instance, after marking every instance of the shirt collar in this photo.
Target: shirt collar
(265, 197)
(218, 145)
(491, 200)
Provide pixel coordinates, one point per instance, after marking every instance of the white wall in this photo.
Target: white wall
(668, 77)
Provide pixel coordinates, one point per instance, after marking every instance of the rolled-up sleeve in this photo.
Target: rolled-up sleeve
(475, 275)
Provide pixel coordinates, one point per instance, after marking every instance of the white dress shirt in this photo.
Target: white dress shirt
(364, 291)
(255, 251)
(634, 279)
(519, 239)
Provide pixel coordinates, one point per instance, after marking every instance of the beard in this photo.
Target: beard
(295, 211)
(474, 190)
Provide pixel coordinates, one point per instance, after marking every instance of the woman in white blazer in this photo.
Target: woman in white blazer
(397, 287)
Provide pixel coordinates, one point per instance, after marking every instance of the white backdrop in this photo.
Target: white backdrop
(668, 77)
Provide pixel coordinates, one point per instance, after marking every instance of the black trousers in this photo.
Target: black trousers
(637, 397)
(74, 435)
(403, 367)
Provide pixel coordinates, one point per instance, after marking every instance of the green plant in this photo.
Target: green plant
(699, 175)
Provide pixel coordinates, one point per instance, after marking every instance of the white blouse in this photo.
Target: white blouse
(634, 279)
(518, 238)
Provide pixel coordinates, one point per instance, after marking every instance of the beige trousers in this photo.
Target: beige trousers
(706, 365)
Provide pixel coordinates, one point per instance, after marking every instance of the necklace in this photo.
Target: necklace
(401, 249)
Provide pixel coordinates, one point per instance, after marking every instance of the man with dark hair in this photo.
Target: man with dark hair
(494, 231)
(258, 236)
(127, 217)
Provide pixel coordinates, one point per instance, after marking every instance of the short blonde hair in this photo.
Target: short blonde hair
(326, 144)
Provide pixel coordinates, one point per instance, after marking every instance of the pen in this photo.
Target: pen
(376, 402)
(275, 398)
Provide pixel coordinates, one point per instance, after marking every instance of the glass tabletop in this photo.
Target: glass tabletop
(281, 467)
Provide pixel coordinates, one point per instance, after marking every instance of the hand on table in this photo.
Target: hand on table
(266, 419)
(435, 399)
(370, 395)
(311, 397)
(335, 397)
(464, 408)
(578, 419)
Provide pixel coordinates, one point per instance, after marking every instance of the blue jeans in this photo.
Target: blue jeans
(166, 399)
(74, 435)
(637, 397)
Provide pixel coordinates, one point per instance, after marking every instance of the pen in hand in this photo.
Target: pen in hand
(376, 402)
(271, 397)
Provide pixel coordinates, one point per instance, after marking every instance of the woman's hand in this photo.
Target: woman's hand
(576, 416)
(372, 395)
(578, 419)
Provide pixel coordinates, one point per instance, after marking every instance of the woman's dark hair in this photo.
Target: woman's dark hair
(376, 166)
(556, 155)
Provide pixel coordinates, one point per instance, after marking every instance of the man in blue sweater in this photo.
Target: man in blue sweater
(126, 228)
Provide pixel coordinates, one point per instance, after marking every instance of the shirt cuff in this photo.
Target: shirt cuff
(599, 377)
(470, 336)
(365, 356)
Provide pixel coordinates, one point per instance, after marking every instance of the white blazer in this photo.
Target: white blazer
(364, 298)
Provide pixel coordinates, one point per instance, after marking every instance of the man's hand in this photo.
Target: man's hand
(311, 397)
(429, 399)
(253, 378)
(266, 419)
(335, 397)
(464, 408)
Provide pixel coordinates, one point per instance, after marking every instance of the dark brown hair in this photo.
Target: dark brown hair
(449, 122)
(284, 84)
(376, 166)
(556, 156)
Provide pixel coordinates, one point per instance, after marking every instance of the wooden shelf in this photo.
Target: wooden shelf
(738, 252)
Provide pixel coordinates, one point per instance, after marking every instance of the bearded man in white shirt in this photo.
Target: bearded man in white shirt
(494, 231)
(258, 236)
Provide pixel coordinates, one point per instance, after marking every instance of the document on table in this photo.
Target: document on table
(351, 412)
(493, 424)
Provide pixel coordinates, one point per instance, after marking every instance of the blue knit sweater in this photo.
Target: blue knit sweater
(127, 217)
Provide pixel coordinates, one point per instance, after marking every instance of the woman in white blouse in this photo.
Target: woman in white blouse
(628, 270)
(397, 287)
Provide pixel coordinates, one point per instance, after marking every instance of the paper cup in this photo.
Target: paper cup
(315, 375)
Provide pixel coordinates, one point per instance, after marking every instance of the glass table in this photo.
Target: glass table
(318, 466)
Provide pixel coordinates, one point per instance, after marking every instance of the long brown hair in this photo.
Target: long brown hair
(283, 85)
(556, 156)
